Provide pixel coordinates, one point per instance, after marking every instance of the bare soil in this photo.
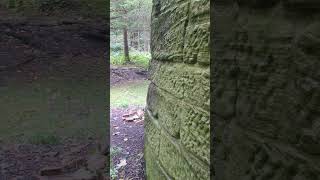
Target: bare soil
(129, 136)
(47, 48)
(33, 48)
(43, 46)
(36, 162)
(120, 75)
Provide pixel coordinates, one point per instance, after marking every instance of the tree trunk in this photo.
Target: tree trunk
(125, 44)
(146, 44)
(139, 40)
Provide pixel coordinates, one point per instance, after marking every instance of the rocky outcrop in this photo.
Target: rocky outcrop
(177, 114)
(266, 90)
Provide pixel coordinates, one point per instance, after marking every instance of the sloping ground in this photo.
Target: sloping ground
(119, 75)
(34, 162)
(52, 78)
(44, 41)
(127, 137)
(128, 96)
(51, 60)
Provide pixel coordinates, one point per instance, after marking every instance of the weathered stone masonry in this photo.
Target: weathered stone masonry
(266, 79)
(177, 118)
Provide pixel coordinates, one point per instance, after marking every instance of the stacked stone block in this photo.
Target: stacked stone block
(266, 91)
(177, 121)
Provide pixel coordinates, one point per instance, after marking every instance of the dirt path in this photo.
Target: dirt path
(127, 137)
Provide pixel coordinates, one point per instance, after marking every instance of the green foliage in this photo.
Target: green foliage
(114, 151)
(125, 105)
(44, 139)
(130, 13)
(116, 48)
(140, 59)
(23, 115)
(113, 173)
(117, 59)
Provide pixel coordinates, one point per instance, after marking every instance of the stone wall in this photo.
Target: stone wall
(177, 114)
(266, 75)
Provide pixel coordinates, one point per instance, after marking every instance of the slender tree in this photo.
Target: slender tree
(125, 44)
(127, 15)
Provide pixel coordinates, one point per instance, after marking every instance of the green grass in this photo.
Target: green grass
(46, 111)
(140, 59)
(133, 93)
(114, 151)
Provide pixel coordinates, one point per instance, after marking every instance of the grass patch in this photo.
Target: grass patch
(44, 139)
(140, 59)
(114, 151)
(63, 107)
(133, 93)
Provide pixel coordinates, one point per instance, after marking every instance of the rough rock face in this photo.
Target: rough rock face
(266, 93)
(177, 116)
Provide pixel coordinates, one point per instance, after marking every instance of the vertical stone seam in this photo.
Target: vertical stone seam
(185, 30)
(164, 172)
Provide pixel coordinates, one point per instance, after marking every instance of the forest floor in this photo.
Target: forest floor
(128, 96)
(47, 67)
(50, 126)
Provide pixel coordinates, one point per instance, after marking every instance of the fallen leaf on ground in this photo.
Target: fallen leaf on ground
(116, 133)
(140, 112)
(140, 155)
(139, 121)
(123, 162)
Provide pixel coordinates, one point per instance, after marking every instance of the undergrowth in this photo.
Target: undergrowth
(44, 139)
(114, 151)
(140, 59)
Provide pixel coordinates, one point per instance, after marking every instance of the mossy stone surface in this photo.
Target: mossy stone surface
(177, 123)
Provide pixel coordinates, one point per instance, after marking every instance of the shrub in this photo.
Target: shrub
(114, 151)
(140, 59)
(117, 59)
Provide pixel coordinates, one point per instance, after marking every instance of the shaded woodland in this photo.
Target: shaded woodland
(53, 89)
(130, 30)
